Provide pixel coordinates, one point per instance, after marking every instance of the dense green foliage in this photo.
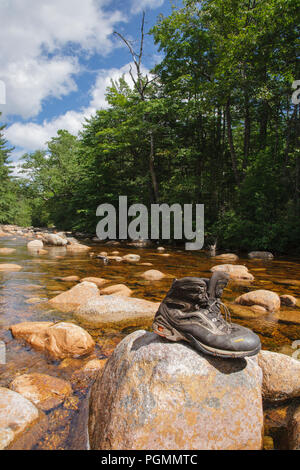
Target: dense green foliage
(215, 126)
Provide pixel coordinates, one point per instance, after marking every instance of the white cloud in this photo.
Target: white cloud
(31, 136)
(35, 36)
(140, 5)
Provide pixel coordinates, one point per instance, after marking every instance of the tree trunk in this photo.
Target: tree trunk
(231, 144)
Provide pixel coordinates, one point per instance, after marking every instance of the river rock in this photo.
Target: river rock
(237, 272)
(155, 394)
(73, 298)
(288, 300)
(10, 267)
(78, 248)
(294, 431)
(260, 255)
(53, 239)
(7, 251)
(59, 340)
(118, 289)
(44, 391)
(16, 415)
(160, 249)
(116, 311)
(281, 376)
(99, 281)
(132, 258)
(35, 245)
(153, 275)
(226, 257)
(69, 279)
(265, 298)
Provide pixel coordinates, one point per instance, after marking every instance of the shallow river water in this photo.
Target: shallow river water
(39, 279)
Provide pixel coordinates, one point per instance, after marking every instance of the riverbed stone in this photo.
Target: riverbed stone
(132, 258)
(260, 255)
(53, 239)
(294, 430)
(10, 267)
(78, 248)
(237, 272)
(117, 289)
(265, 298)
(73, 298)
(226, 257)
(281, 376)
(114, 311)
(16, 415)
(155, 394)
(153, 275)
(7, 251)
(99, 281)
(45, 391)
(59, 340)
(69, 279)
(35, 245)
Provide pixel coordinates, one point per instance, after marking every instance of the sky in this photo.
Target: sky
(58, 57)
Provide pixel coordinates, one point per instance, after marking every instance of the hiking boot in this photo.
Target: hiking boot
(192, 311)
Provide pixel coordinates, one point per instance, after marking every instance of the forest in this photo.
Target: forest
(214, 124)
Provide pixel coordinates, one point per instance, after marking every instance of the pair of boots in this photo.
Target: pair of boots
(192, 311)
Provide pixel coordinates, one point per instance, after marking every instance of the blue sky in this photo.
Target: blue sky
(58, 57)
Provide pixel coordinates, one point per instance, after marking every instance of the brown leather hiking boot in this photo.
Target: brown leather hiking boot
(192, 311)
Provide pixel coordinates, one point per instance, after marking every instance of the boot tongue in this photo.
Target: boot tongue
(214, 310)
(218, 276)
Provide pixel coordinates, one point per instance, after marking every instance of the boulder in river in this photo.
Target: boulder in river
(226, 257)
(17, 414)
(132, 258)
(99, 281)
(35, 245)
(155, 394)
(115, 311)
(117, 289)
(260, 255)
(7, 251)
(288, 300)
(281, 376)
(153, 275)
(59, 340)
(10, 267)
(45, 391)
(237, 272)
(73, 298)
(78, 248)
(265, 298)
(53, 239)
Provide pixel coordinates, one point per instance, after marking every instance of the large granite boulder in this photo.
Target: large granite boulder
(155, 394)
(116, 311)
(53, 239)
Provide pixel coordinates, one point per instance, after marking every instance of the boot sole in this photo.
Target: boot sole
(173, 335)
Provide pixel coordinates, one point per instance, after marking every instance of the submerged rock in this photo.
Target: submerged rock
(45, 391)
(78, 248)
(7, 251)
(153, 275)
(53, 239)
(116, 311)
(288, 300)
(16, 415)
(99, 281)
(155, 394)
(73, 298)
(237, 272)
(59, 340)
(260, 255)
(132, 258)
(118, 289)
(281, 376)
(10, 267)
(226, 257)
(265, 298)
